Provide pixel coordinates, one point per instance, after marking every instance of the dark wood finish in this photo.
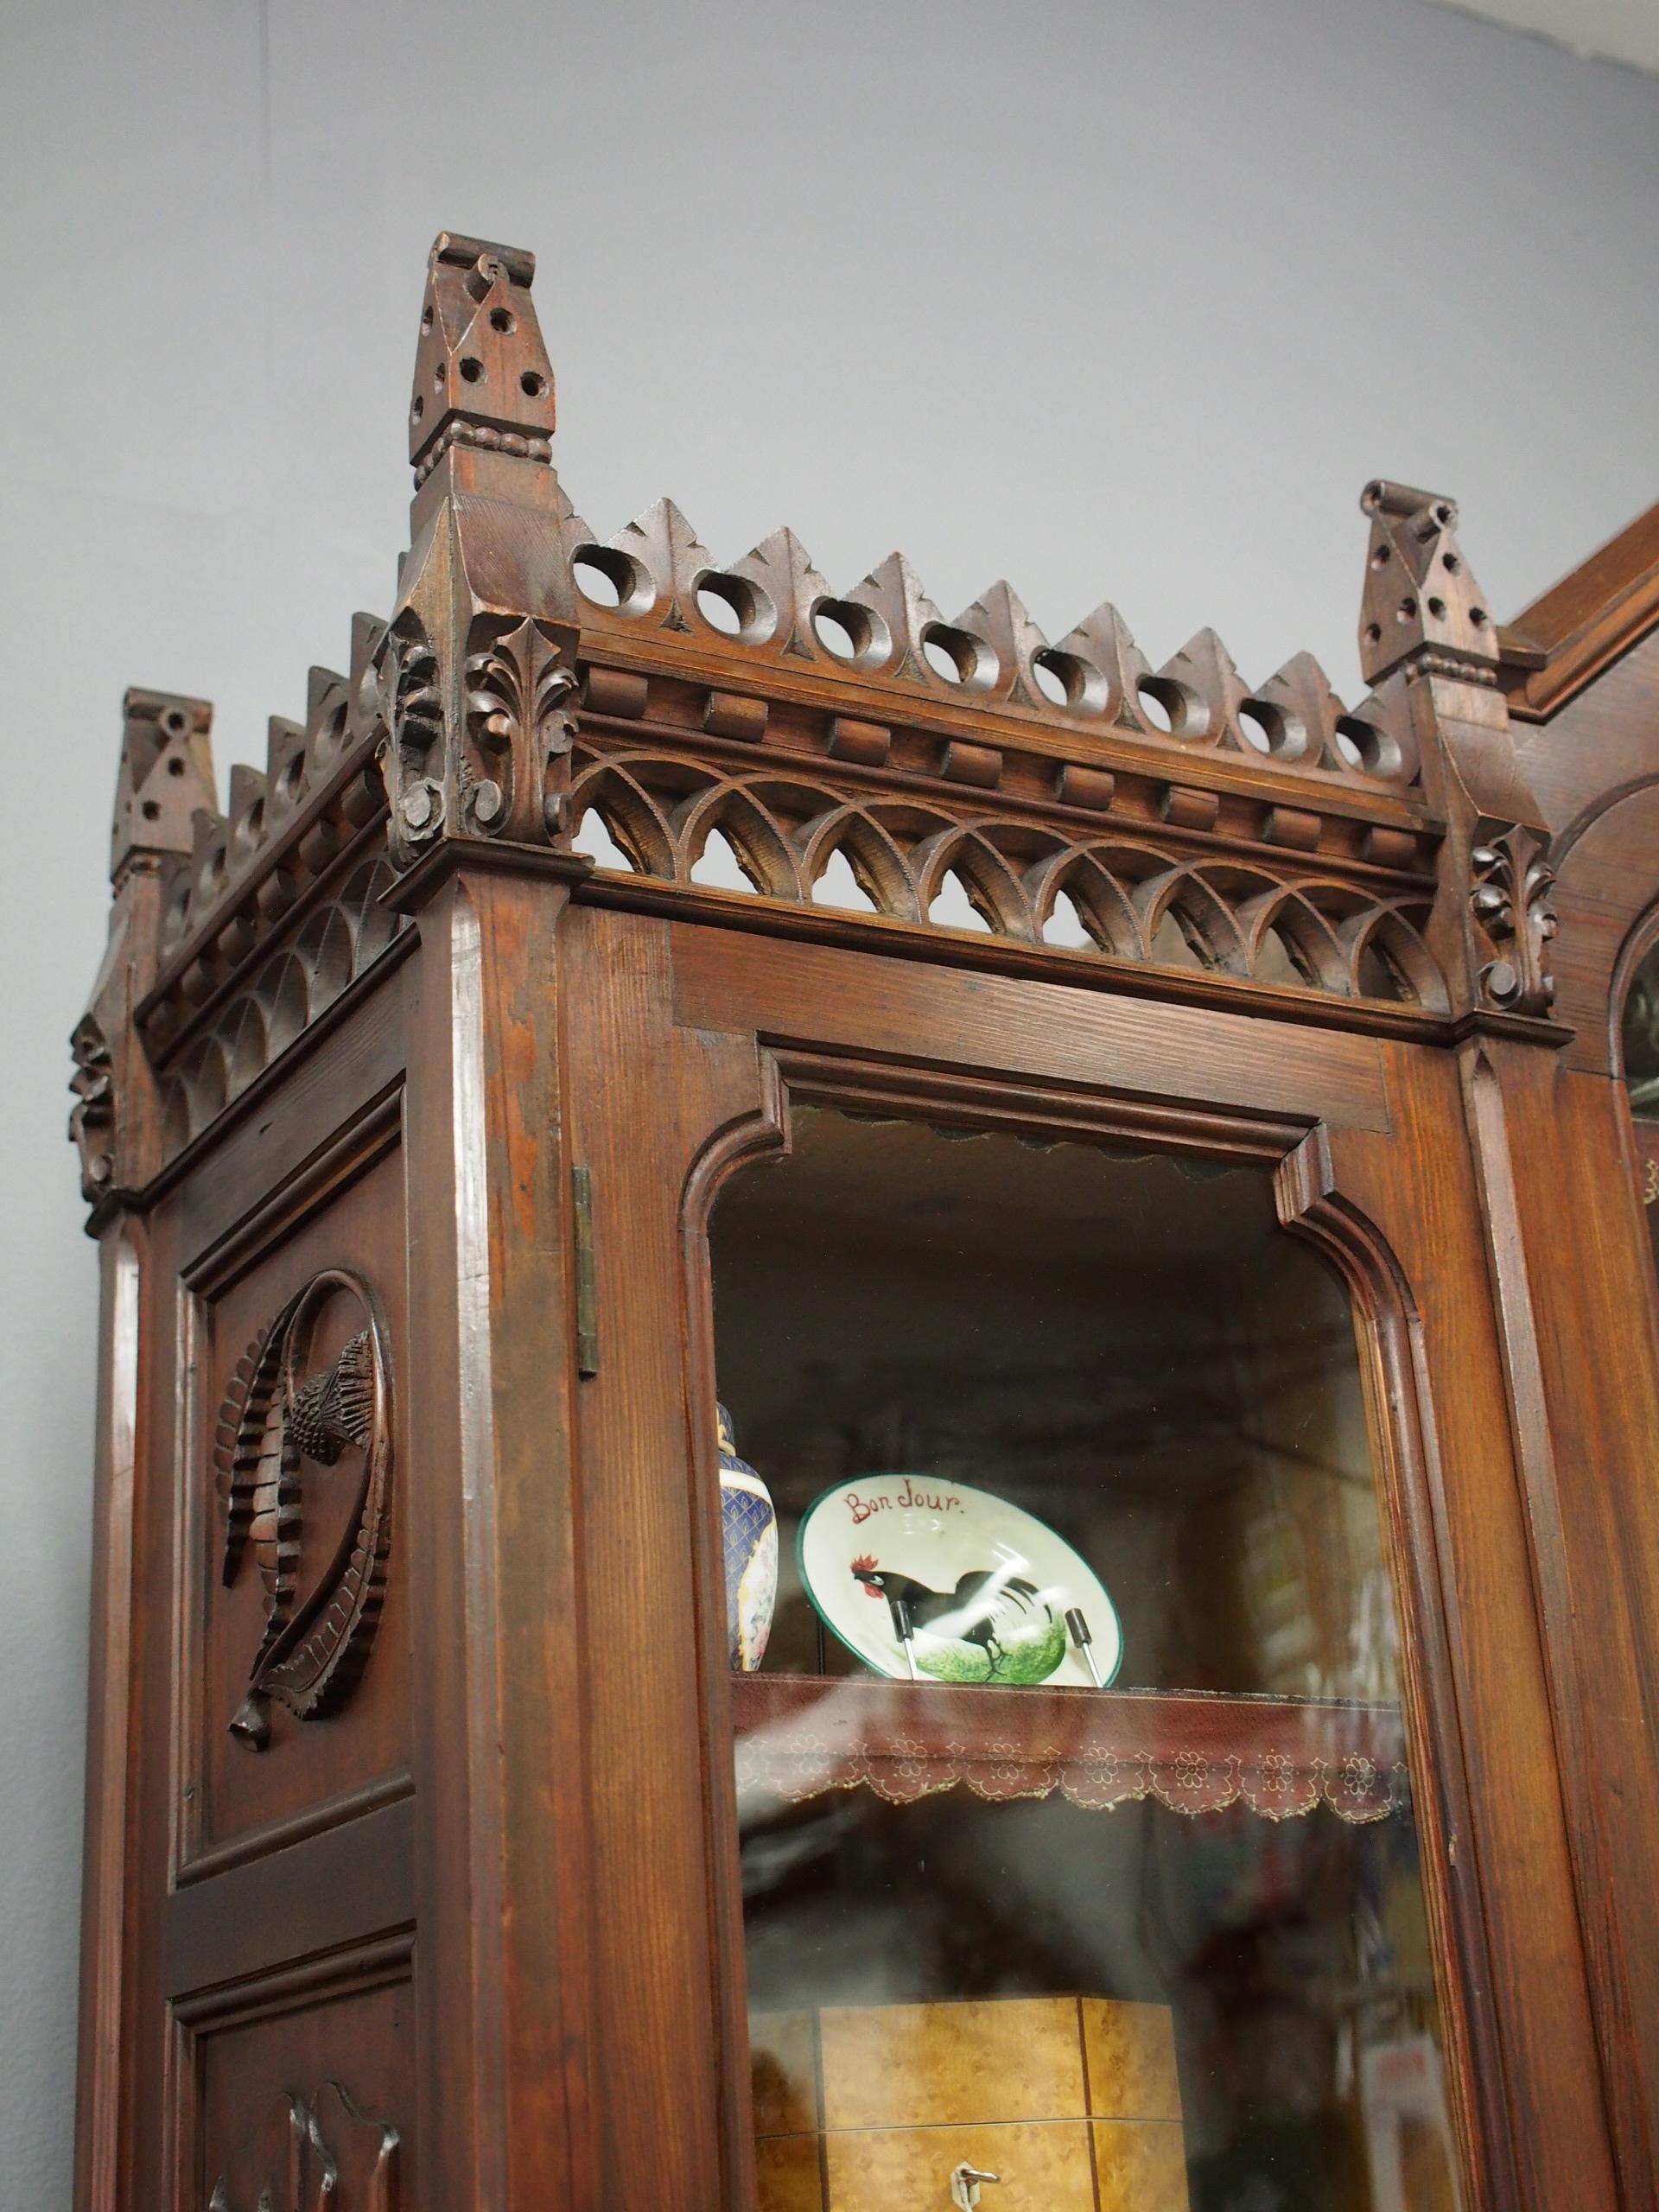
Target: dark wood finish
(467, 1931)
(1555, 649)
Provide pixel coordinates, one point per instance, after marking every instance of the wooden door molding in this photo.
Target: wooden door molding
(1359, 1193)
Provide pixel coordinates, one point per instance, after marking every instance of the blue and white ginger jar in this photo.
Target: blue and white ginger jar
(750, 1529)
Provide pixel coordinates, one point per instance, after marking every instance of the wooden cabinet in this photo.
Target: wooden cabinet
(1192, 1117)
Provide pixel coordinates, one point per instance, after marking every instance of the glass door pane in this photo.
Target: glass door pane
(1077, 1833)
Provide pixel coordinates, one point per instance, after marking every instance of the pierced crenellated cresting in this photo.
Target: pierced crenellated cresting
(744, 732)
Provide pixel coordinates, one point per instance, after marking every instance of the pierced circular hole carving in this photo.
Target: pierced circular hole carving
(1450, 563)
(1381, 556)
(175, 721)
(1407, 610)
(175, 767)
(419, 408)
(607, 577)
(1373, 634)
(1068, 680)
(959, 657)
(1372, 747)
(1437, 608)
(1479, 617)
(851, 632)
(426, 317)
(533, 384)
(734, 606)
(502, 319)
(151, 810)
(1168, 706)
(472, 369)
(1261, 727)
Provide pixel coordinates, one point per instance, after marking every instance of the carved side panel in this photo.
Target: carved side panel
(317, 2154)
(303, 2110)
(298, 1545)
(291, 1420)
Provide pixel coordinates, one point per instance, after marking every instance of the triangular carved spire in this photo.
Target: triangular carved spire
(166, 775)
(999, 616)
(894, 593)
(782, 567)
(481, 372)
(1211, 690)
(1420, 597)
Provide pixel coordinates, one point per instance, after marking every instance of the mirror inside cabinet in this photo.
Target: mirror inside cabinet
(1079, 1863)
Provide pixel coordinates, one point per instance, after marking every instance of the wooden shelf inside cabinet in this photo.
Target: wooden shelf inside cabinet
(800, 1735)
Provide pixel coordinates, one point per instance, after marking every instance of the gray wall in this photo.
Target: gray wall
(1119, 299)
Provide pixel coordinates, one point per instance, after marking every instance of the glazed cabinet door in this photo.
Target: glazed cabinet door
(1065, 1715)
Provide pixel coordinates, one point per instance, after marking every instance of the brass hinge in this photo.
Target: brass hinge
(582, 1192)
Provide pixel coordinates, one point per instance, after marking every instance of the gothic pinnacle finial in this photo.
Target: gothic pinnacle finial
(482, 376)
(166, 776)
(1419, 597)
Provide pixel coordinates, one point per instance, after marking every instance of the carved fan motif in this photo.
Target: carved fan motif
(279, 1427)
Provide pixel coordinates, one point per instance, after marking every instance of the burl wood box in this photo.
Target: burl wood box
(1073, 2102)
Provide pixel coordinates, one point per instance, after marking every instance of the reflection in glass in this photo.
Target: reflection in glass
(1161, 1944)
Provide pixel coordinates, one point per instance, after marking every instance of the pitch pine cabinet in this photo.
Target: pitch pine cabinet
(1213, 1127)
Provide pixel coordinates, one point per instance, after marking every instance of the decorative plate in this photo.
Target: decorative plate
(939, 1579)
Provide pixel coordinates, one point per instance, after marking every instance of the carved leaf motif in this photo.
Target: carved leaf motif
(320, 2154)
(517, 727)
(1512, 907)
(275, 1425)
(409, 708)
(91, 1118)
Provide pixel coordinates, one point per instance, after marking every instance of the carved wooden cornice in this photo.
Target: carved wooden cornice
(1564, 641)
(964, 782)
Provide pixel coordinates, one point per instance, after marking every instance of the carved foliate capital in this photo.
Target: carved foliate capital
(407, 706)
(91, 1118)
(482, 376)
(479, 749)
(518, 726)
(1514, 918)
(1420, 602)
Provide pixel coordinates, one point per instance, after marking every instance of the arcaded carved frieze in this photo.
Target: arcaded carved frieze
(1132, 892)
(499, 775)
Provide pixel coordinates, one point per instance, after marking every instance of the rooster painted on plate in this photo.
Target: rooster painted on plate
(993, 1627)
